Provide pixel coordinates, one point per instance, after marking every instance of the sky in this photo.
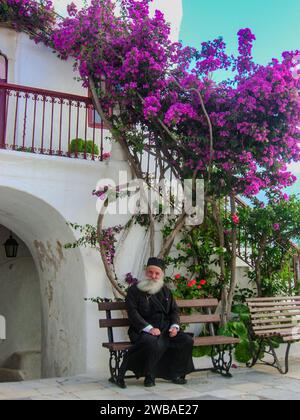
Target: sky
(275, 23)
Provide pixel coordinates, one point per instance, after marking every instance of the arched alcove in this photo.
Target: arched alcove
(61, 279)
(20, 305)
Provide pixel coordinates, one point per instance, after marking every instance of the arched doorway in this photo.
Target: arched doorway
(3, 79)
(61, 279)
(20, 306)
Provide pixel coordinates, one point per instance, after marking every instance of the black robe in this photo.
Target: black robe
(162, 356)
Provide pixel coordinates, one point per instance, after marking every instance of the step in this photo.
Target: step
(11, 375)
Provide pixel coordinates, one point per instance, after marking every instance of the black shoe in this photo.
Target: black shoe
(149, 382)
(121, 383)
(179, 381)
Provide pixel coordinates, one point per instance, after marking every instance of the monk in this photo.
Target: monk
(161, 349)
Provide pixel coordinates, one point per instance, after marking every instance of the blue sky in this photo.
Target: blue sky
(276, 24)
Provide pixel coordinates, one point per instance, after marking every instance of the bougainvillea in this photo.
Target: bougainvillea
(36, 17)
(255, 115)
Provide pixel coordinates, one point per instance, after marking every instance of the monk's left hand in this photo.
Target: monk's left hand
(173, 332)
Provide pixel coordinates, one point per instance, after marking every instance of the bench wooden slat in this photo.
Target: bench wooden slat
(112, 306)
(272, 299)
(291, 338)
(261, 316)
(279, 333)
(282, 304)
(289, 318)
(217, 340)
(198, 303)
(117, 322)
(199, 319)
(184, 319)
(272, 310)
(273, 327)
(118, 346)
(194, 303)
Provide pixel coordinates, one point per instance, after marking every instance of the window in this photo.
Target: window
(94, 119)
(3, 68)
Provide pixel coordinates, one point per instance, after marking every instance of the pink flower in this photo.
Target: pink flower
(106, 155)
(286, 197)
(276, 227)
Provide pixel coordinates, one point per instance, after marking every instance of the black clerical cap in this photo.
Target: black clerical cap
(157, 262)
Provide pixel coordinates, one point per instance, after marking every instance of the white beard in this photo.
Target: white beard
(150, 286)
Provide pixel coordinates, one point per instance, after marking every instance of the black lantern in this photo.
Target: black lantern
(11, 247)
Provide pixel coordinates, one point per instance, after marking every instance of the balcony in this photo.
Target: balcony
(50, 123)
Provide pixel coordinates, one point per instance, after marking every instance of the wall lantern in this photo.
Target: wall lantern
(11, 247)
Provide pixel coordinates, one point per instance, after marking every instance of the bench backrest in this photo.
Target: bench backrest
(208, 305)
(274, 314)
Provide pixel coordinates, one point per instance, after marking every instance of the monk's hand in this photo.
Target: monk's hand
(173, 332)
(155, 331)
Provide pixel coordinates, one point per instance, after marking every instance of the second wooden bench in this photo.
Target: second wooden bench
(276, 317)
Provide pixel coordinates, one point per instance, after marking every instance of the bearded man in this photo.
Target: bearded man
(161, 349)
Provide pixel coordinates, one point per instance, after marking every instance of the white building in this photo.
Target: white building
(49, 327)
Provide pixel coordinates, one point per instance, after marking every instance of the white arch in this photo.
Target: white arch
(62, 279)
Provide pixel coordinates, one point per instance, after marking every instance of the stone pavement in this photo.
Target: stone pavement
(261, 383)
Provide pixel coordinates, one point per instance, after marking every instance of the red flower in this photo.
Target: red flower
(192, 283)
(235, 219)
(203, 282)
(178, 276)
(199, 287)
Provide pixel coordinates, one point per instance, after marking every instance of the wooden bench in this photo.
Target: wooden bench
(222, 346)
(277, 317)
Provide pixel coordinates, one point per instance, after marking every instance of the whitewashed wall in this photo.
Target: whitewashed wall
(39, 195)
(171, 8)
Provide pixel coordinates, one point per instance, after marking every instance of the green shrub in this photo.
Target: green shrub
(82, 146)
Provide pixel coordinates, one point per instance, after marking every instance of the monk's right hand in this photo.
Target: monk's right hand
(155, 331)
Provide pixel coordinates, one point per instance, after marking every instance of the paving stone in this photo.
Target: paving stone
(206, 398)
(259, 383)
(278, 394)
(248, 387)
(177, 394)
(81, 387)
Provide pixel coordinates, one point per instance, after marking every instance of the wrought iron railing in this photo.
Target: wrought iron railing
(50, 123)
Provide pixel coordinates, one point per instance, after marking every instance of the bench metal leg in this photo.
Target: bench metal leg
(115, 360)
(277, 363)
(271, 351)
(255, 353)
(222, 362)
